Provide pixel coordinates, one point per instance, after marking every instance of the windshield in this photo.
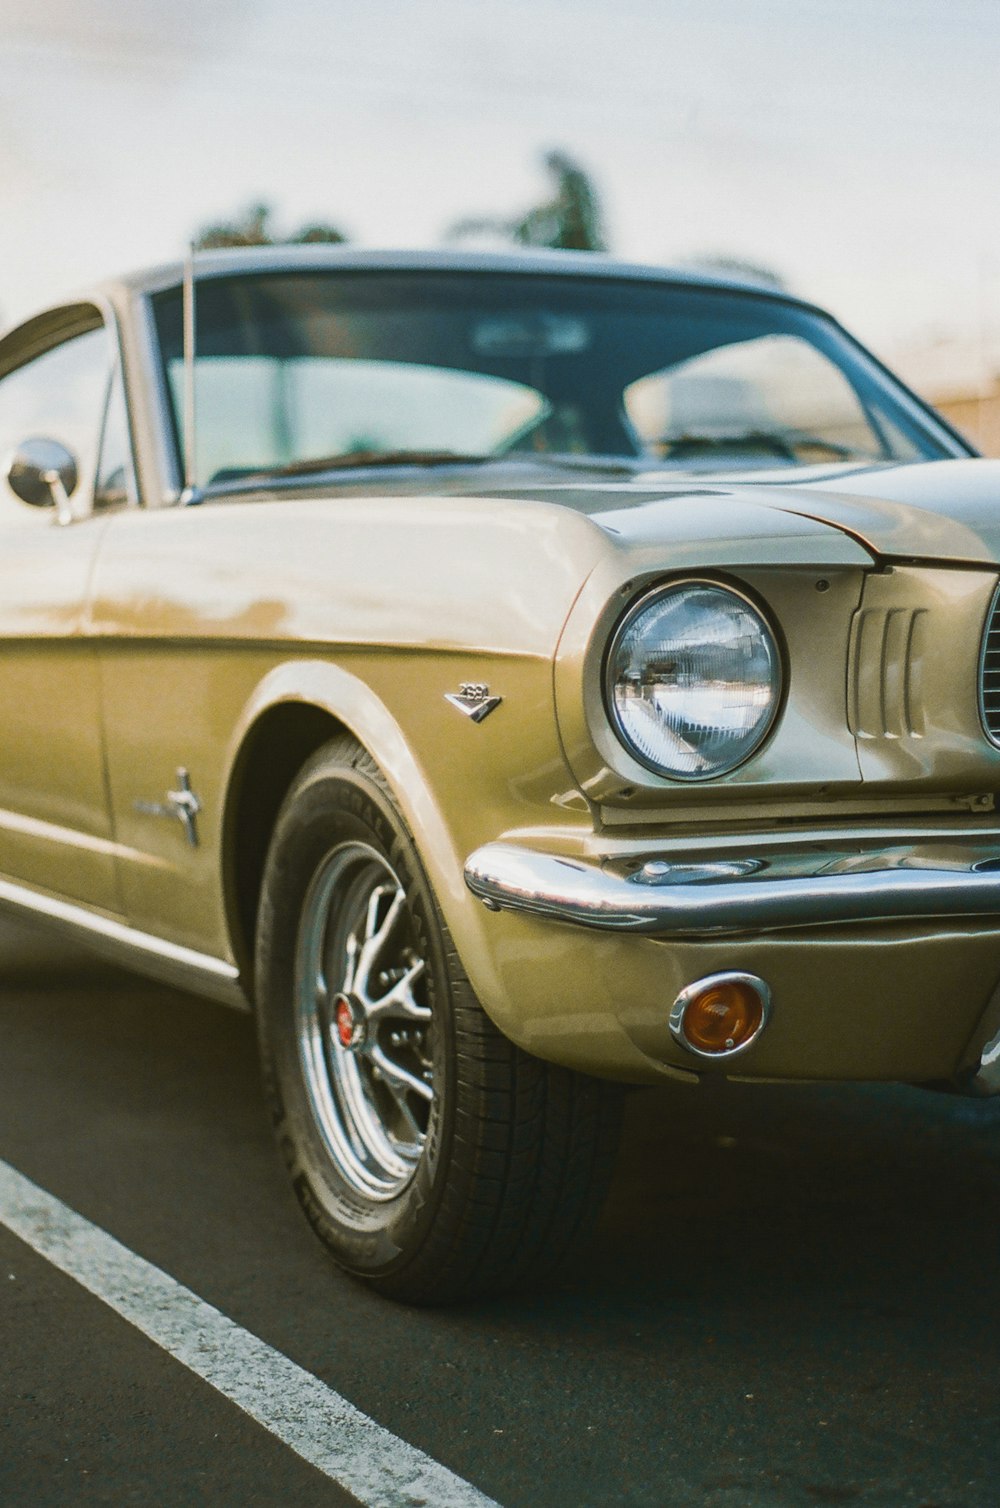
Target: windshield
(299, 369)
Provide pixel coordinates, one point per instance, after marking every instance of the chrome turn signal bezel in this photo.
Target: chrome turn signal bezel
(709, 982)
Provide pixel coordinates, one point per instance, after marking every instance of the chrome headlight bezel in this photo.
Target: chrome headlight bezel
(770, 639)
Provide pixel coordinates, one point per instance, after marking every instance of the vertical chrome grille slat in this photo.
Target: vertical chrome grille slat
(989, 673)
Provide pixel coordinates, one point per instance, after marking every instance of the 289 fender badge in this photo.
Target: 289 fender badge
(473, 698)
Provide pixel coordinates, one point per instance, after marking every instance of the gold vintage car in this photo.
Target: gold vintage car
(516, 677)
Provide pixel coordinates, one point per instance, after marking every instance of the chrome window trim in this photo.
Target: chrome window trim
(165, 440)
(113, 325)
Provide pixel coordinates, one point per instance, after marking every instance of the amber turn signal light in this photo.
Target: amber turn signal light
(721, 1014)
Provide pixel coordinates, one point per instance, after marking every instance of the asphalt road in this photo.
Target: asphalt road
(794, 1297)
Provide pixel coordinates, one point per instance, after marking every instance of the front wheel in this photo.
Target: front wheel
(433, 1158)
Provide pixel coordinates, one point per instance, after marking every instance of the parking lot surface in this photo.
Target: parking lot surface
(793, 1297)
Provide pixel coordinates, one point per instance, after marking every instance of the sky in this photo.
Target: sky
(853, 145)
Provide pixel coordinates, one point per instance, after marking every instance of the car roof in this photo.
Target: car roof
(350, 258)
(119, 292)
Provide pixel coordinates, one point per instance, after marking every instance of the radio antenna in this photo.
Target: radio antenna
(190, 452)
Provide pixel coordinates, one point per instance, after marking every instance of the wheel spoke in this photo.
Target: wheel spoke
(400, 1000)
(351, 965)
(403, 1106)
(396, 1076)
(376, 937)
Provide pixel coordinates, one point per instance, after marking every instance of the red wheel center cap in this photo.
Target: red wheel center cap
(349, 1021)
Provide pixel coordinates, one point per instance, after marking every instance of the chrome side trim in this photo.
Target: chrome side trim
(811, 886)
(184, 968)
(49, 832)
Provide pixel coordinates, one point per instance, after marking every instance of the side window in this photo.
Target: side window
(60, 395)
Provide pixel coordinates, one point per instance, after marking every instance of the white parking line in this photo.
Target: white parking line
(381, 1470)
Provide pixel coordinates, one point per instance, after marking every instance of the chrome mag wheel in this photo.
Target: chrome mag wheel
(433, 1158)
(363, 1022)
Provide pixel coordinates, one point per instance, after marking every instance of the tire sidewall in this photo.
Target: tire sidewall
(330, 804)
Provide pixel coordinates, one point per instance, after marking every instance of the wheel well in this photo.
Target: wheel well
(274, 752)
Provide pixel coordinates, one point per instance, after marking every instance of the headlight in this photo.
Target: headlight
(692, 680)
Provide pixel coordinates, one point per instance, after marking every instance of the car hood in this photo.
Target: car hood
(935, 510)
(939, 510)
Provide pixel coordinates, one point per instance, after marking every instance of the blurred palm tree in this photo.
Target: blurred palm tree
(254, 228)
(570, 220)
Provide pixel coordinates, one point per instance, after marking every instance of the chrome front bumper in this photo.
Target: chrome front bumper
(754, 891)
(751, 890)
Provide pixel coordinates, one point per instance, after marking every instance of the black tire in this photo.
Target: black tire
(489, 1182)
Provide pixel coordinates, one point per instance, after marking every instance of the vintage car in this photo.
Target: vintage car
(515, 677)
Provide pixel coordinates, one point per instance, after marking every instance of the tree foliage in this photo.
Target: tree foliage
(569, 220)
(254, 228)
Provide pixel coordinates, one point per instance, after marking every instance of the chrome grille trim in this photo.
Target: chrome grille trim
(989, 673)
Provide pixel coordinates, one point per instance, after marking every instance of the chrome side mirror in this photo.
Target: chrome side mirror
(43, 473)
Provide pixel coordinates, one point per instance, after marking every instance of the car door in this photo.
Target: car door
(58, 383)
